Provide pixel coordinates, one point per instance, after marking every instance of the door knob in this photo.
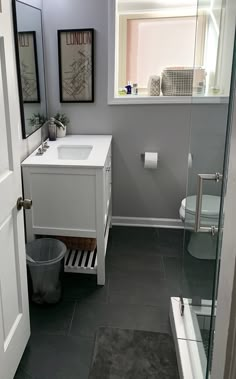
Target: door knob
(23, 203)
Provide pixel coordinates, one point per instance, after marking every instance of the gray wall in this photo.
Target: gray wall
(207, 145)
(135, 129)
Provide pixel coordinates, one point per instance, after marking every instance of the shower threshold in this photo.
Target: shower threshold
(189, 333)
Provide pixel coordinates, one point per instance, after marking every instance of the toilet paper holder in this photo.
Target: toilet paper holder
(150, 164)
(142, 155)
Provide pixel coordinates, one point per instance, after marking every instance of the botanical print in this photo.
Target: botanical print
(28, 67)
(76, 60)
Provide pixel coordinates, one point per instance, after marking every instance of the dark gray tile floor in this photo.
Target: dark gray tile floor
(144, 268)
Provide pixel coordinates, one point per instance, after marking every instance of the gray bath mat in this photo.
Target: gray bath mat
(133, 354)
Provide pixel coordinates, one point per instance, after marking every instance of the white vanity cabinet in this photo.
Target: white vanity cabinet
(72, 197)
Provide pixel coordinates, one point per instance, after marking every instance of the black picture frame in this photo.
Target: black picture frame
(31, 78)
(42, 94)
(76, 65)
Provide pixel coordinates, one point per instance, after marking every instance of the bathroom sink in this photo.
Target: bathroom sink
(73, 151)
(76, 152)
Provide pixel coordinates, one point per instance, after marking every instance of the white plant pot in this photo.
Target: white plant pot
(61, 132)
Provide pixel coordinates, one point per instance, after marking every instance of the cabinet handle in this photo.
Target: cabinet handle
(108, 169)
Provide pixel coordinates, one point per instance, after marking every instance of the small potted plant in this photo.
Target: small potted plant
(61, 129)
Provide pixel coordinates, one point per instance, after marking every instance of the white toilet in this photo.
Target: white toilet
(201, 245)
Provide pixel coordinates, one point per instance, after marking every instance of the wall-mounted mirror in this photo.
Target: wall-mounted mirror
(30, 66)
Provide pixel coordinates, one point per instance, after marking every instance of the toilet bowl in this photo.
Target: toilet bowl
(201, 245)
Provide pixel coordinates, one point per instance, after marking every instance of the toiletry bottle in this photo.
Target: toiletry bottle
(135, 89)
(52, 130)
(129, 88)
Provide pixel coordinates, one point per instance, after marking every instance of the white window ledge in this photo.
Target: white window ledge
(132, 100)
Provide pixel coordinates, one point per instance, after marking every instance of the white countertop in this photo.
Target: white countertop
(97, 156)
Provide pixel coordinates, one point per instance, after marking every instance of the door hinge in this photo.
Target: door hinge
(214, 230)
(218, 177)
(181, 305)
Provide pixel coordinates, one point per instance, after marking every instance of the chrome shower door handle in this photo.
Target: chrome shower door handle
(217, 177)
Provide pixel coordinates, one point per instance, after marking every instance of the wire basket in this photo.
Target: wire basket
(182, 81)
(88, 244)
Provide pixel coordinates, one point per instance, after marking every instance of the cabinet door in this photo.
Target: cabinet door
(64, 201)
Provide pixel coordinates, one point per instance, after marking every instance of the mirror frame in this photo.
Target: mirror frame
(17, 56)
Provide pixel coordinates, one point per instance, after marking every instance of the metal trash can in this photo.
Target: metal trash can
(45, 261)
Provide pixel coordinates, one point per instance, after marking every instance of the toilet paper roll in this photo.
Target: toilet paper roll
(150, 160)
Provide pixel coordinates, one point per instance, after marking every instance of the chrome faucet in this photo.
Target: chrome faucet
(57, 122)
(44, 145)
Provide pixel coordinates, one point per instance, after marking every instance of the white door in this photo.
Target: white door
(14, 312)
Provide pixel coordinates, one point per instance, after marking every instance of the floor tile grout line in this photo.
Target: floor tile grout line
(72, 318)
(164, 268)
(160, 308)
(108, 290)
(157, 238)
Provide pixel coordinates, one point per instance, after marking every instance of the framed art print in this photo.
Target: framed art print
(76, 65)
(29, 67)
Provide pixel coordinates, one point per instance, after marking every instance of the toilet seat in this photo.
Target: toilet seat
(210, 209)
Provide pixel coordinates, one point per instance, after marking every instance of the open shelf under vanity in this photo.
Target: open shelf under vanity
(81, 261)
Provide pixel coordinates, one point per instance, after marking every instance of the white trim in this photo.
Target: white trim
(148, 222)
(190, 351)
(111, 48)
(232, 361)
(225, 298)
(132, 99)
(157, 12)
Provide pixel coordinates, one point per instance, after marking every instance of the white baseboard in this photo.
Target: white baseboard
(170, 223)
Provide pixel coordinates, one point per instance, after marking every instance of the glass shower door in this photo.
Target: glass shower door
(200, 262)
(201, 209)
(221, 217)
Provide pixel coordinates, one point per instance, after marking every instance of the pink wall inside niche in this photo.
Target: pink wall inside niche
(132, 50)
(155, 44)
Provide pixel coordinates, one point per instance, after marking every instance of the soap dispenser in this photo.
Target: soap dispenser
(52, 129)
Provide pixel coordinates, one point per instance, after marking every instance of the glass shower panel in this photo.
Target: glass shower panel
(200, 209)
(221, 220)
